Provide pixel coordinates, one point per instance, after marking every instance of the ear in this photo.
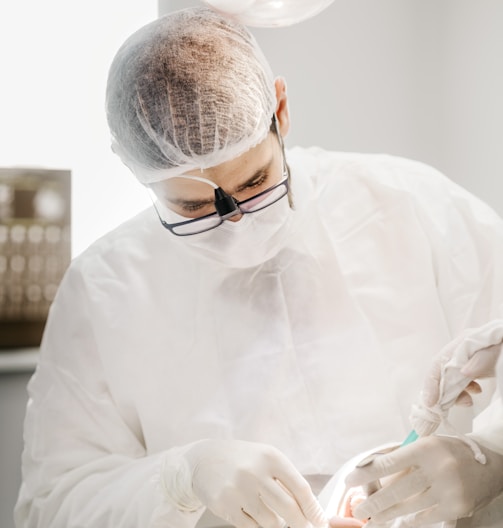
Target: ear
(282, 112)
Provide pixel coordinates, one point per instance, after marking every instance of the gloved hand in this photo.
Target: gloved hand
(246, 484)
(450, 380)
(431, 480)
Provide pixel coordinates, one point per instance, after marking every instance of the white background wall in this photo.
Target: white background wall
(416, 78)
(54, 59)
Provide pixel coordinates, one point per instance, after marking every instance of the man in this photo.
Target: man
(271, 316)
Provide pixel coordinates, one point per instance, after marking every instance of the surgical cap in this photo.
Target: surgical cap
(189, 90)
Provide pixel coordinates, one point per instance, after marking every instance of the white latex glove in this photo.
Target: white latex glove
(344, 522)
(433, 479)
(472, 355)
(245, 483)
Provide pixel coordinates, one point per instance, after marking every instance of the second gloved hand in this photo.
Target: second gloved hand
(245, 483)
(434, 479)
(476, 350)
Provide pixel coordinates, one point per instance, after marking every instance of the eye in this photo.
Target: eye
(258, 182)
(194, 207)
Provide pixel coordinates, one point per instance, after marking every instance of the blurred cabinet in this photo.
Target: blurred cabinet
(35, 249)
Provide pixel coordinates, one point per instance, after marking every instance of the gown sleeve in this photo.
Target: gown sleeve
(84, 463)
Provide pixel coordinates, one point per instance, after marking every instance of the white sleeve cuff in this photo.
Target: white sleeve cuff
(176, 481)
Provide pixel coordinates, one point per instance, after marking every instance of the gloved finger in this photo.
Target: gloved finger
(483, 363)
(297, 486)
(263, 515)
(430, 392)
(384, 465)
(473, 388)
(344, 522)
(464, 400)
(377, 505)
(408, 508)
(279, 499)
(240, 519)
(426, 518)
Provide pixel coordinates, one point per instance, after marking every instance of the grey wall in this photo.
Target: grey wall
(13, 398)
(420, 78)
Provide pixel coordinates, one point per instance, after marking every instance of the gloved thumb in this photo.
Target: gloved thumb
(483, 363)
(475, 352)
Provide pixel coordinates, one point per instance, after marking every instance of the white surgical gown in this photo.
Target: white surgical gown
(320, 351)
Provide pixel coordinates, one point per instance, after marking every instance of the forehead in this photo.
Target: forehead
(237, 170)
(228, 175)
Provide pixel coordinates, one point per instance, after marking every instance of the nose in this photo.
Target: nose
(235, 218)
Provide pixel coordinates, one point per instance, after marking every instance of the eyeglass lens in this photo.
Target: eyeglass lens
(251, 205)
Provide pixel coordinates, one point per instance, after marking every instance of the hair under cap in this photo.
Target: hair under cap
(189, 90)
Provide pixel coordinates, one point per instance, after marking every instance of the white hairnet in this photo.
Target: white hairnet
(189, 90)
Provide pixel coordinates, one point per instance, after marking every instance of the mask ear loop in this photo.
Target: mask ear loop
(278, 133)
(286, 168)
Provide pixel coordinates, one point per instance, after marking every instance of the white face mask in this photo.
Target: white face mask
(254, 239)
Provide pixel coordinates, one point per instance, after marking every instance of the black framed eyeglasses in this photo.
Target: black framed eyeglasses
(227, 206)
(210, 221)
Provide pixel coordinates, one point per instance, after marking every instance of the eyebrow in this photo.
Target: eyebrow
(182, 202)
(256, 176)
(259, 173)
